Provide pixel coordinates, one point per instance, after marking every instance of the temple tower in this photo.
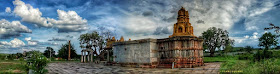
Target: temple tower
(183, 26)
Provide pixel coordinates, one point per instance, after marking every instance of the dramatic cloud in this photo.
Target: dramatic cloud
(57, 21)
(12, 29)
(30, 14)
(67, 22)
(8, 9)
(13, 43)
(200, 21)
(161, 30)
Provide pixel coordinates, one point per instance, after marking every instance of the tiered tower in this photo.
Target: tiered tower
(183, 26)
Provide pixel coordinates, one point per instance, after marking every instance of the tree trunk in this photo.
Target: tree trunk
(212, 51)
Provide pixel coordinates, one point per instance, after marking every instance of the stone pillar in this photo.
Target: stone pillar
(91, 54)
(88, 56)
(108, 58)
(82, 56)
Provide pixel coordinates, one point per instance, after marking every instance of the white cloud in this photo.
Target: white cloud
(254, 35)
(27, 39)
(246, 36)
(247, 40)
(13, 43)
(8, 9)
(12, 29)
(266, 6)
(31, 42)
(67, 22)
(30, 14)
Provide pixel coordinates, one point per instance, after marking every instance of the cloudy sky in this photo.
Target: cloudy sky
(35, 24)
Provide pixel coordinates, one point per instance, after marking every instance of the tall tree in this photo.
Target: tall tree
(267, 40)
(90, 41)
(49, 52)
(215, 38)
(95, 41)
(63, 51)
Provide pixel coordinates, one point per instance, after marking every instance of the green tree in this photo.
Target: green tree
(49, 52)
(215, 38)
(248, 49)
(63, 51)
(268, 40)
(92, 41)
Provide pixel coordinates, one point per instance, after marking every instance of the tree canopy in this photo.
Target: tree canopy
(267, 40)
(63, 51)
(95, 41)
(48, 52)
(215, 38)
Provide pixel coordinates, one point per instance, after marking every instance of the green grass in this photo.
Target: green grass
(232, 63)
(12, 67)
(220, 59)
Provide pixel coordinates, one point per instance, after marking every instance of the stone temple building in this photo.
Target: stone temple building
(180, 50)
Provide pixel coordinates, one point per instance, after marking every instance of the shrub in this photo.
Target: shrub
(246, 56)
(37, 62)
(2, 57)
(270, 67)
(276, 54)
(260, 55)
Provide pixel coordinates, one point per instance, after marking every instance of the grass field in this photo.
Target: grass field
(12, 67)
(232, 63)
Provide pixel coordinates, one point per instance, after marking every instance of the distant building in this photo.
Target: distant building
(182, 48)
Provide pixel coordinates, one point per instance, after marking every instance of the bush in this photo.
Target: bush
(37, 62)
(246, 56)
(2, 57)
(270, 66)
(260, 55)
(276, 54)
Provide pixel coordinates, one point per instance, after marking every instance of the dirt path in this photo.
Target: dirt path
(82, 68)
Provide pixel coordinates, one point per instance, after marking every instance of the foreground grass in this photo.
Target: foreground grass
(234, 65)
(12, 67)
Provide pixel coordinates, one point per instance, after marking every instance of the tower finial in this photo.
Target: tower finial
(182, 8)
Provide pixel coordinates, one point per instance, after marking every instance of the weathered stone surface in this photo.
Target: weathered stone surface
(136, 51)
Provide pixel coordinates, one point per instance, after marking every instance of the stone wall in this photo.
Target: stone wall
(136, 51)
(184, 51)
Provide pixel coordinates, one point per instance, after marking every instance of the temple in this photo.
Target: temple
(180, 50)
(183, 26)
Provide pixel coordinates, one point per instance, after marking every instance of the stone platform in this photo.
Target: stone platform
(87, 68)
